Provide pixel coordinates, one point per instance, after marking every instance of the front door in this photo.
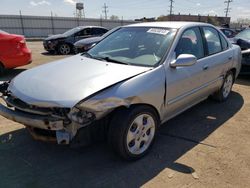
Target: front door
(185, 85)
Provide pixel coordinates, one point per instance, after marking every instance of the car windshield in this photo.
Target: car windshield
(142, 46)
(1, 31)
(110, 31)
(244, 34)
(72, 31)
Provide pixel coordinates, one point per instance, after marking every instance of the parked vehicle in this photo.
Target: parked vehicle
(85, 44)
(243, 40)
(126, 86)
(228, 32)
(64, 43)
(13, 51)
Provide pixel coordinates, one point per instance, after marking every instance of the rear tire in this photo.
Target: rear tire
(223, 94)
(132, 131)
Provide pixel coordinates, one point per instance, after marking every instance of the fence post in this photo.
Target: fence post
(52, 24)
(21, 19)
(101, 21)
(122, 21)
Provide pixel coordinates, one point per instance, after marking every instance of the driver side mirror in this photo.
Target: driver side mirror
(184, 60)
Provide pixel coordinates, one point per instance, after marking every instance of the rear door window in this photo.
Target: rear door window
(84, 32)
(99, 31)
(213, 40)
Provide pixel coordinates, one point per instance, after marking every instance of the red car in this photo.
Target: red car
(13, 51)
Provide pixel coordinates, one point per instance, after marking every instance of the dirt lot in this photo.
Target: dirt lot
(207, 146)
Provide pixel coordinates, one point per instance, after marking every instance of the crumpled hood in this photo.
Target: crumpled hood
(66, 82)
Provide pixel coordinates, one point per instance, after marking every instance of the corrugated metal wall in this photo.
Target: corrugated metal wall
(42, 26)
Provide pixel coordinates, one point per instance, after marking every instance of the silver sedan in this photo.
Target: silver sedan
(125, 87)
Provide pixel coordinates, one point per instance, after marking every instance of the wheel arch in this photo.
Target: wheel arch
(136, 105)
(234, 73)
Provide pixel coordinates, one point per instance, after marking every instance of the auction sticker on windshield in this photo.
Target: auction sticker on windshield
(158, 31)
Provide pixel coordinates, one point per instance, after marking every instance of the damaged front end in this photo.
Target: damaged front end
(45, 123)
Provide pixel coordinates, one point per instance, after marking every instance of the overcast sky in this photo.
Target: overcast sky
(129, 9)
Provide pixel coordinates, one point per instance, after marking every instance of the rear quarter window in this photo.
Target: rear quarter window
(224, 43)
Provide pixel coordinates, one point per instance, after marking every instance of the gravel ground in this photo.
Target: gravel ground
(206, 146)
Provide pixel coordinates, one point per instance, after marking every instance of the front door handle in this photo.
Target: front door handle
(205, 67)
(230, 58)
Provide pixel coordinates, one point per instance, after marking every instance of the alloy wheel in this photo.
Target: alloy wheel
(140, 134)
(228, 83)
(64, 49)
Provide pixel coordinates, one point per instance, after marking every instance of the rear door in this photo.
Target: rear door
(219, 57)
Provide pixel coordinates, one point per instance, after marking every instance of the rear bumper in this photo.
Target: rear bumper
(31, 120)
(17, 60)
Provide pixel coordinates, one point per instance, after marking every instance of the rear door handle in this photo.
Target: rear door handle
(230, 58)
(205, 67)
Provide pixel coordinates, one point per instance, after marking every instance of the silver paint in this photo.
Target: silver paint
(100, 87)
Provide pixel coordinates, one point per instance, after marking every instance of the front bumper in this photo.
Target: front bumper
(49, 46)
(46, 123)
(40, 127)
(32, 120)
(79, 50)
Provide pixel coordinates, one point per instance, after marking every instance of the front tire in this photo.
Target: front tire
(132, 131)
(223, 94)
(64, 49)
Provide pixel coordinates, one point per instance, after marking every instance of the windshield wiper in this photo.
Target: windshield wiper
(86, 54)
(108, 59)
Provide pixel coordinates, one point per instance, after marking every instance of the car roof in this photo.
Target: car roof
(224, 28)
(173, 25)
(83, 27)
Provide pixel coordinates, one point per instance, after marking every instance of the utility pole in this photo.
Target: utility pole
(171, 9)
(227, 10)
(105, 11)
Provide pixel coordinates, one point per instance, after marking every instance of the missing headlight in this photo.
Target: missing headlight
(81, 116)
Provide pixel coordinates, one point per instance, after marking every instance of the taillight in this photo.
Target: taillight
(21, 43)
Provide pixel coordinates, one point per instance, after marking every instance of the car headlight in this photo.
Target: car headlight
(53, 42)
(81, 116)
(87, 47)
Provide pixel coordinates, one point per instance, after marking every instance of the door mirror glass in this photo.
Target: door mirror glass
(184, 60)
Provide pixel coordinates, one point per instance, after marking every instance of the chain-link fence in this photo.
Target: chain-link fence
(42, 26)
